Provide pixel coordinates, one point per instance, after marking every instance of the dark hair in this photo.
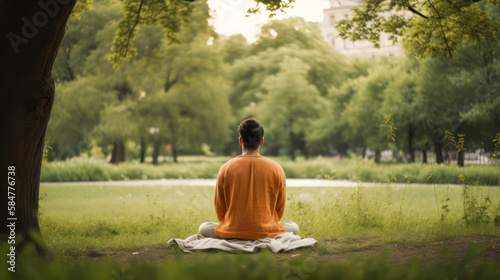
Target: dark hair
(251, 133)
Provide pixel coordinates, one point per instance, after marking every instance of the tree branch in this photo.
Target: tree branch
(434, 8)
(133, 27)
(411, 9)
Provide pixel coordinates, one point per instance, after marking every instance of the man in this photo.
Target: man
(250, 192)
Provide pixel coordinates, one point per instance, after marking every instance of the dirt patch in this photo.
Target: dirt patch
(485, 247)
(147, 254)
(478, 246)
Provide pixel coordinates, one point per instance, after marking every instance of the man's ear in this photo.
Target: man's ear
(240, 140)
(261, 141)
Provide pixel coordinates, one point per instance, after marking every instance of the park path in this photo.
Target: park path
(211, 182)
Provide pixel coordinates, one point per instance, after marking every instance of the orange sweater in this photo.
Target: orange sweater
(250, 198)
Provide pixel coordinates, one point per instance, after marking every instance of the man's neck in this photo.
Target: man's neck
(246, 152)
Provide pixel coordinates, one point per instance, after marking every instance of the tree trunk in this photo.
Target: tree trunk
(411, 132)
(363, 152)
(303, 146)
(143, 149)
(438, 149)
(292, 146)
(118, 154)
(292, 153)
(424, 156)
(31, 34)
(378, 156)
(156, 152)
(460, 158)
(174, 153)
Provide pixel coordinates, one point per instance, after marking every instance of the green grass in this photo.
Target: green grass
(79, 219)
(261, 266)
(191, 167)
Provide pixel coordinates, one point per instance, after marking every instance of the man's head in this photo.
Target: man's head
(251, 134)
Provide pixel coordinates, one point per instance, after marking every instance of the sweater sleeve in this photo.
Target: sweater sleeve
(280, 204)
(219, 200)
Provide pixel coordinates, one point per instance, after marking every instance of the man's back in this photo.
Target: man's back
(250, 198)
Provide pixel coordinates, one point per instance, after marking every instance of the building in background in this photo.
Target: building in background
(342, 10)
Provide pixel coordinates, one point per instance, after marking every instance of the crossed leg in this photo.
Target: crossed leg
(207, 228)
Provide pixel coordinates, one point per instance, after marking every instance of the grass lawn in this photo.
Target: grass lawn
(113, 232)
(78, 220)
(192, 167)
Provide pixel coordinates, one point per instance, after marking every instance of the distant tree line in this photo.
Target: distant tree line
(178, 98)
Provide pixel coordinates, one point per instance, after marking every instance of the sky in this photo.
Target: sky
(229, 15)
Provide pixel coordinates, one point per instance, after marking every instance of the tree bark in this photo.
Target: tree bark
(174, 153)
(438, 149)
(411, 132)
(378, 156)
(460, 158)
(425, 148)
(143, 149)
(292, 146)
(31, 34)
(118, 154)
(156, 151)
(303, 146)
